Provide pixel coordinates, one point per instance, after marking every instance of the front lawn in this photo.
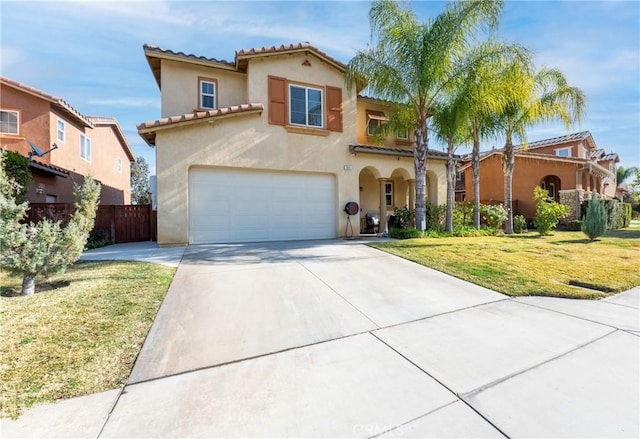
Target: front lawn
(79, 334)
(562, 265)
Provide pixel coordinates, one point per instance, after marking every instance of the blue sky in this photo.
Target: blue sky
(90, 53)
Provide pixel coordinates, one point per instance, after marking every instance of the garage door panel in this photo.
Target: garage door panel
(243, 206)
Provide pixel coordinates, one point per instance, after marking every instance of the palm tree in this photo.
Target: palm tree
(487, 89)
(412, 63)
(622, 174)
(539, 97)
(448, 124)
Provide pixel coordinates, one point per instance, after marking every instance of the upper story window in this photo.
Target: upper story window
(9, 122)
(61, 130)
(375, 119)
(299, 107)
(305, 106)
(208, 93)
(563, 152)
(402, 134)
(85, 147)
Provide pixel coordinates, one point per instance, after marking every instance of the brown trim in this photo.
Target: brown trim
(17, 110)
(334, 109)
(302, 129)
(215, 96)
(277, 98)
(377, 115)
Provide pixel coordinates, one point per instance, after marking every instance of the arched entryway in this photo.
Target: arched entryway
(552, 184)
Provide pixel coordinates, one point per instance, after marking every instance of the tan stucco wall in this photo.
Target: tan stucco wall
(249, 141)
(362, 138)
(180, 92)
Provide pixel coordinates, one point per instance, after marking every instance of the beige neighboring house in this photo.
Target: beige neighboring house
(63, 145)
(271, 146)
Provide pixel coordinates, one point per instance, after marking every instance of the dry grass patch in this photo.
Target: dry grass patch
(79, 334)
(563, 265)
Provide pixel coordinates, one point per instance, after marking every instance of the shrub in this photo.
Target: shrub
(626, 214)
(494, 215)
(574, 226)
(405, 233)
(595, 219)
(519, 224)
(548, 212)
(17, 170)
(97, 239)
(618, 215)
(404, 216)
(463, 214)
(435, 216)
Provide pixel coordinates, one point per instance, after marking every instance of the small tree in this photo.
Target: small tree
(45, 247)
(140, 190)
(594, 223)
(548, 212)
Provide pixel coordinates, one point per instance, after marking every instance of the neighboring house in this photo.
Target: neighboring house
(570, 167)
(272, 146)
(63, 145)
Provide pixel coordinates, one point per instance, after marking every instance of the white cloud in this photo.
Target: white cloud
(126, 102)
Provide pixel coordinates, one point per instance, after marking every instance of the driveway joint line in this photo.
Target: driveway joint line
(459, 398)
(113, 407)
(444, 313)
(564, 313)
(241, 360)
(619, 304)
(414, 419)
(338, 294)
(535, 366)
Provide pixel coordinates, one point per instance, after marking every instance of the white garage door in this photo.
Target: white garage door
(244, 206)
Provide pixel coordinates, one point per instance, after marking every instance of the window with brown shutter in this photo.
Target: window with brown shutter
(277, 101)
(334, 109)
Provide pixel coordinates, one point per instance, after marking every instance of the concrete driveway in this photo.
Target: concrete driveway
(335, 339)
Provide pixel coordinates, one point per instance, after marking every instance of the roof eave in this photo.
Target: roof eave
(247, 56)
(149, 133)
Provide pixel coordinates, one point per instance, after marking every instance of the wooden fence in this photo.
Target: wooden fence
(118, 224)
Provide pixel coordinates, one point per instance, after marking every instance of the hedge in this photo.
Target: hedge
(618, 213)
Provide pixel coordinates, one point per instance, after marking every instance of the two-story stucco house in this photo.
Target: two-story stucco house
(271, 146)
(570, 167)
(63, 145)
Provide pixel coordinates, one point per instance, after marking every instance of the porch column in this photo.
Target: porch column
(412, 193)
(383, 205)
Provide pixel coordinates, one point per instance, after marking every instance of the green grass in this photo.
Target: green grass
(79, 334)
(565, 264)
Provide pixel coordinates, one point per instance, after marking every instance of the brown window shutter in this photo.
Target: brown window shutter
(334, 109)
(277, 101)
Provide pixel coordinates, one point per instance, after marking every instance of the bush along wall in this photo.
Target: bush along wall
(618, 213)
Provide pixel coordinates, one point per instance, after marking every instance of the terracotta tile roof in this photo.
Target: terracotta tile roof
(286, 48)
(111, 121)
(582, 135)
(147, 130)
(152, 48)
(601, 156)
(56, 101)
(61, 172)
(434, 154)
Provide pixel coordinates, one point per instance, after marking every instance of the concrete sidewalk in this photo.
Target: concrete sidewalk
(336, 339)
(146, 251)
